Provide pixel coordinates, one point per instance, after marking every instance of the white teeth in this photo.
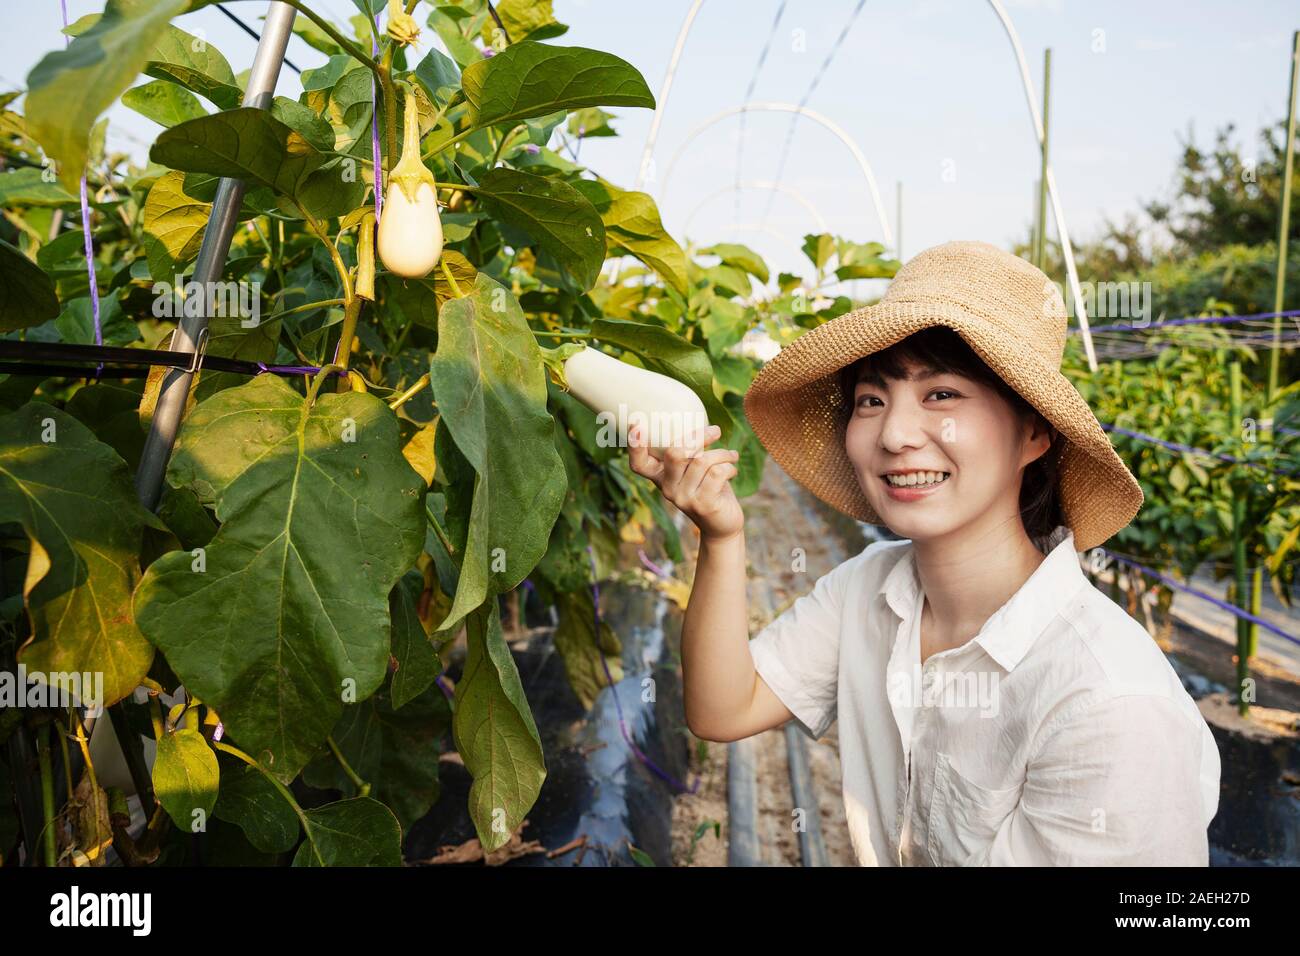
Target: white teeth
(917, 478)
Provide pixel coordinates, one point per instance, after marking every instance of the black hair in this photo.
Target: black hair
(941, 349)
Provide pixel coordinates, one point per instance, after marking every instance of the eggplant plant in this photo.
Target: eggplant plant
(330, 527)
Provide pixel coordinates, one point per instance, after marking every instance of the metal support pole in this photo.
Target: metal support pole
(1040, 246)
(1058, 214)
(1284, 221)
(211, 261)
(898, 240)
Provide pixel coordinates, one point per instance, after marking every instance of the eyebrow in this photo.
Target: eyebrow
(874, 378)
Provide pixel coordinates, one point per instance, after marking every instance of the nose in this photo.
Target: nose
(902, 425)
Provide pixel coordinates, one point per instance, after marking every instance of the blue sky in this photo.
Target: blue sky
(927, 89)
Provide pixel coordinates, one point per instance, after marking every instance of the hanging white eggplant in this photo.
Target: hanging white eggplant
(410, 229)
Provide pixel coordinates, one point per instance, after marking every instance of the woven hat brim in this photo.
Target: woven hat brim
(795, 408)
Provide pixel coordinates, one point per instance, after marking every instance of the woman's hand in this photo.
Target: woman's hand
(697, 481)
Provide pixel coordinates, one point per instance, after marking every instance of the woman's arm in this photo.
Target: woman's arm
(725, 698)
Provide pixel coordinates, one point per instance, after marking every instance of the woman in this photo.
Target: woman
(994, 707)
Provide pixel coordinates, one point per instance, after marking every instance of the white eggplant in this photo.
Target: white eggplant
(410, 229)
(664, 409)
(410, 232)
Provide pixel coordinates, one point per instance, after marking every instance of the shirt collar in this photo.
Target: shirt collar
(1008, 634)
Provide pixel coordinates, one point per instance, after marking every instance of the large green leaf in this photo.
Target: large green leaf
(395, 750)
(244, 143)
(488, 380)
(575, 639)
(632, 224)
(357, 832)
(196, 65)
(73, 497)
(321, 515)
(557, 216)
(669, 354)
(186, 778)
(27, 295)
(532, 79)
(68, 89)
(494, 732)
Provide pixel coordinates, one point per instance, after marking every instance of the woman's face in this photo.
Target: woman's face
(946, 423)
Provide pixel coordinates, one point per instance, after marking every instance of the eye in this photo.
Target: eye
(865, 398)
(945, 391)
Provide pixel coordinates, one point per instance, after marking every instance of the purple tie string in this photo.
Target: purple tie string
(85, 229)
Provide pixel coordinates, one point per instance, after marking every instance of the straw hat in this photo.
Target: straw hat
(1010, 314)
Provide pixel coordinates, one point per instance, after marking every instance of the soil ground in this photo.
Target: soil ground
(790, 543)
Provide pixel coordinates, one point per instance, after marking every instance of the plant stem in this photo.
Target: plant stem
(452, 280)
(347, 45)
(410, 393)
(390, 106)
(84, 744)
(505, 138)
(317, 227)
(363, 788)
(322, 304)
(437, 530)
(284, 791)
(47, 796)
(350, 315)
(315, 385)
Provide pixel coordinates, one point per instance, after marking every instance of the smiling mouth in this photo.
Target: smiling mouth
(916, 479)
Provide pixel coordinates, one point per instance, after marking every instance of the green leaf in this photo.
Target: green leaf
(528, 19)
(357, 832)
(244, 143)
(725, 325)
(394, 749)
(533, 79)
(488, 380)
(27, 294)
(173, 226)
(438, 74)
(669, 354)
(252, 802)
(69, 88)
(320, 516)
(632, 225)
(27, 187)
(306, 121)
(186, 778)
(418, 663)
(196, 65)
(819, 248)
(557, 216)
(884, 269)
(575, 640)
(494, 732)
(73, 497)
(165, 103)
(742, 257)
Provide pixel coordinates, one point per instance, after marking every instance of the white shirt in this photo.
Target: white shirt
(1058, 735)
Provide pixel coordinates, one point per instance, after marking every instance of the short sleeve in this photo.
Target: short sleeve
(1123, 782)
(797, 654)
